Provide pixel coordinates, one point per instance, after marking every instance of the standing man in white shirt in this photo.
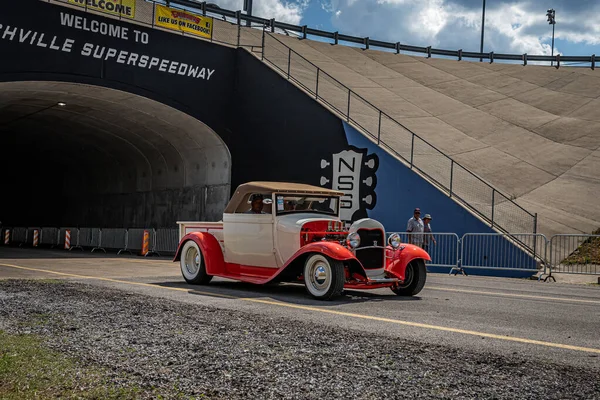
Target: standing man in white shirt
(415, 225)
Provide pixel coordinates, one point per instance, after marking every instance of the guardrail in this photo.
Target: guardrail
(304, 31)
(524, 252)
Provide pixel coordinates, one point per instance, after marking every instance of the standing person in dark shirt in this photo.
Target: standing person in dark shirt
(428, 236)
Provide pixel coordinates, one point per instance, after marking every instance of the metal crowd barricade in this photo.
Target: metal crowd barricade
(165, 241)
(114, 239)
(87, 237)
(84, 238)
(443, 248)
(50, 237)
(575, 254)
(19, 235)
(97, 240)
(516, 252)
(134, 240)
(76, 239)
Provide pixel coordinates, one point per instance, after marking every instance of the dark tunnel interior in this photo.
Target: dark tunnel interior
(80, 155)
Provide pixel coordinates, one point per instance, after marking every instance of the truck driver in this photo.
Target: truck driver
(257, 204)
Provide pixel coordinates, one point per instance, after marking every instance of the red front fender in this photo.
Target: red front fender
(398, 259)
(294, 266)
(211, 251)
(330, 249)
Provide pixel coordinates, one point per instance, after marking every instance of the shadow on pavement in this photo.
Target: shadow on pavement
(284, 292)
(22, 253)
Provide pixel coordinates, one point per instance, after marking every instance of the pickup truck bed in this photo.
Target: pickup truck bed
(214, 228)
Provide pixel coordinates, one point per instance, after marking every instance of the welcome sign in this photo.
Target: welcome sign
(124, 8)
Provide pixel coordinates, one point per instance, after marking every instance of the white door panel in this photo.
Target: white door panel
(249, 239)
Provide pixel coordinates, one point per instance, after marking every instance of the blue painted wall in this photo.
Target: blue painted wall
(399, 190)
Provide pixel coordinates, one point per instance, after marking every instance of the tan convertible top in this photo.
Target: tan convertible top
(244, 191)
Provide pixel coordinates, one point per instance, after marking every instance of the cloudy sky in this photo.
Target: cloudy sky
(512, 26)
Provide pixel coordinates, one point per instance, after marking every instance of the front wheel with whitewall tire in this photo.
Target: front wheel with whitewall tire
(324, 277)
(414, 279)
(192, 264)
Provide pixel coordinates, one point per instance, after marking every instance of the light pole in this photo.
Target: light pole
(248, 9)
(551, 14)
(482, 30)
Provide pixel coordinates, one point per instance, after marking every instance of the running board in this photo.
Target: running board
(381, 280)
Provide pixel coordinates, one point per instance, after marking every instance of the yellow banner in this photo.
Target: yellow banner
(125, 8)
(185, 21)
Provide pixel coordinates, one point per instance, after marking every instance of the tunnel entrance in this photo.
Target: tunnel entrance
(83, 155)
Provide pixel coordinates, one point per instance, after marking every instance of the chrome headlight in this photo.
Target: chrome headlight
(394, 240)
(353, 240)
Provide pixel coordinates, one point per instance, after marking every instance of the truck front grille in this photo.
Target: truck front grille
(371, 258)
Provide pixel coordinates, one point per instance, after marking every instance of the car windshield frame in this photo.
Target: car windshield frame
(279, 206)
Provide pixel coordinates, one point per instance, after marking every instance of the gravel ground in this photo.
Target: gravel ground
(217, 353)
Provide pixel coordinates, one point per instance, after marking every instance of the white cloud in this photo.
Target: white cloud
(289, 11)
(512, 26)
(327, 6)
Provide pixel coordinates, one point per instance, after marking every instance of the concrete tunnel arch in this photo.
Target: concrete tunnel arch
(107, 158)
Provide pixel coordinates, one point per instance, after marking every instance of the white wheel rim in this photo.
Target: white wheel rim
(192, 262)
(317, 275)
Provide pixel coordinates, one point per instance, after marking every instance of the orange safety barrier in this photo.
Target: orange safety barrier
(36, 238)
(67, 239)
(7, 237)
(146, 243)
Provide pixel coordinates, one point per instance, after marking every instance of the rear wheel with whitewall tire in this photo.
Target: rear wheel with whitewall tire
(192, 264)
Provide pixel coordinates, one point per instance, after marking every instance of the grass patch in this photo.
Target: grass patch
(28, 370)
(587, 252)
(50, 281)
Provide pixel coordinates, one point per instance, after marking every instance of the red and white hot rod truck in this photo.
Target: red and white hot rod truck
(287, 232)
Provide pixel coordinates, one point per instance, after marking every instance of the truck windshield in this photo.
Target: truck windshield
(288, 204)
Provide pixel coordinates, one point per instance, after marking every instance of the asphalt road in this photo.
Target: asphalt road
(554, 322)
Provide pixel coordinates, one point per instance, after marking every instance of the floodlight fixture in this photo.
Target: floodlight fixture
(551, 14)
